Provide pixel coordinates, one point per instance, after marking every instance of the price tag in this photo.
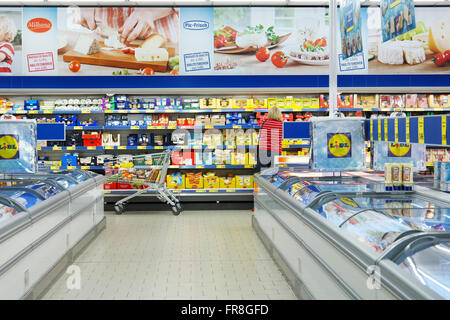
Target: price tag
(77, 128)
(85, 111)
(150, 127)
(249, 166)
(208, 127)
(39, 148)
(54, 168)
(407, 130)
(444, 130)
(398, 109)
(212, 190)
(220, 166)
(33, 112)
(134, 127)
(421, 130)
(85, 167)
(158, 147)
(237, 127)
(21, 112)
(56, 148)
(396, 129)
(141, 147)
(438, 109)
(420, 109)
(106, 191)
(91, 148)
(200, 166)
(109, 111)
(48, 111)
(109, 148)
(122, 147)
(171, 127)
(122, 111)
(200, 190)
(70, 148)
(231, 190)
(385, 129)
(134, 111)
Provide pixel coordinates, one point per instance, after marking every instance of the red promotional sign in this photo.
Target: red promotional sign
(39, 25)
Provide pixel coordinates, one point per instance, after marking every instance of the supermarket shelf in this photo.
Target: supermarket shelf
(144, 148)
(218, 166)
(241, 126)
(183, 191)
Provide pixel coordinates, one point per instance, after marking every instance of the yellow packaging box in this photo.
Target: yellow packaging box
(176, 182)
(238, 158)
(244, 182)
(194, 181)
(315, 103)
(250, 158)
(211, 181)
(227, 182)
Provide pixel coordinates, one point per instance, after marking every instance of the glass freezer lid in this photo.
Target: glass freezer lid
(25, 198)
(431, 266)
(45, 187)
(78, 175)
(8, 210)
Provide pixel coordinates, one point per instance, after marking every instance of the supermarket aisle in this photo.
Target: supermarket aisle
(197, 255)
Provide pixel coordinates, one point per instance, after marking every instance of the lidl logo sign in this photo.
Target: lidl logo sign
(9, 147)
(399, 150)
(339, 145)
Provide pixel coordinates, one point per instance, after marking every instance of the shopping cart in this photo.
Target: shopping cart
(153, 180)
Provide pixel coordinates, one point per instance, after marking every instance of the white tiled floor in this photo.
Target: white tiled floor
(196, 255)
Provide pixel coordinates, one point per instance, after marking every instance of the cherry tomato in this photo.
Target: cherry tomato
(148, 72)
(262, 54)
(308, 41)
(439, 60)
(74, 66)
(321, 42)
(219, 43)
(279, 59)
(447, 55)
(174, 72)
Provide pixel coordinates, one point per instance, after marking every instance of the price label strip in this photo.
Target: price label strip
(396, 129)
(421, 130)
(385, 129)
(379, 129)
(371, 130)
(407, 139)
(444, 130)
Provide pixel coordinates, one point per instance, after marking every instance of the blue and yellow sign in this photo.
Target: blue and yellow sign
(9, 147)
(339, 145)
(399, 150)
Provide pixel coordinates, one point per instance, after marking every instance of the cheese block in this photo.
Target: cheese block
(423, 38)
(113, 41)
(439, 36)
(154, 41)
(151, 54)
(398, 52)
(390, 52)
(87, 45)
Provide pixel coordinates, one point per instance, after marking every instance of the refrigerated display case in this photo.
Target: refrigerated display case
(44, 218)
(337, 227)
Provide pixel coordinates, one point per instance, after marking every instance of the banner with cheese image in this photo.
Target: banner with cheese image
(39, 41)
(412, 52)
(397, 18)
(118, 40)
(350, 27)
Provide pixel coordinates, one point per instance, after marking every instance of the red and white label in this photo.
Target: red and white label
(39, 25)
(40, 62)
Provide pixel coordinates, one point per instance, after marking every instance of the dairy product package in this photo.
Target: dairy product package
(18, 146)
(337, 144)
(398, 152)
(445, 172)
(437, 174)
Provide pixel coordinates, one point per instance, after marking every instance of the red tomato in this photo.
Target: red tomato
(321, 42)
(262, 54)
(439, 60)
(219, 43)
(148, 72)
(279, 59)
(74, 66)
(307, 41)
(447, 55)
(174, 72)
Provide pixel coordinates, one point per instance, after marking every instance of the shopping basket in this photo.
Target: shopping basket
(139, 177)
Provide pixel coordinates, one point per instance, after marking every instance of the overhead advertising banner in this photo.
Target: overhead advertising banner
(197, 50)
(353, 41)
(11, 41)
(118, 40)
(350, 27)
(412, 52)
(397, 18)
(262, 40)
(40, 36)
(159, 41)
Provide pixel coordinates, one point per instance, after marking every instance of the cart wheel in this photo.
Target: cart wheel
(175, 211)
(179, 207)
(118, 208)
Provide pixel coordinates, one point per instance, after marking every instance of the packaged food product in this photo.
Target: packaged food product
(407, 176)
(397, 175)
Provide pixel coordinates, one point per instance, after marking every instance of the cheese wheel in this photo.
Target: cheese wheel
(439, 36)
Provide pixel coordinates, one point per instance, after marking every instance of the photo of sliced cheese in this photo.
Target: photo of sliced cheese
(423, 38)
(87, 45)
(113, 41)
(154, 41)
(399, 52)
(439, 36)
(151, 54)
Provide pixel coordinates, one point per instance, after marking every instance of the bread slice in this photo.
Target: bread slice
(154, 41)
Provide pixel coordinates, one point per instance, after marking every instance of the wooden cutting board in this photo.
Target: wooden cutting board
(236, 49)
(116, 58)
